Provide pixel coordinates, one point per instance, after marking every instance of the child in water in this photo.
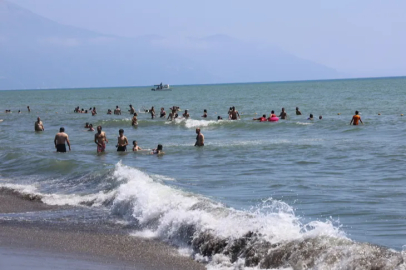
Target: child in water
(158, 150)
(135, 146)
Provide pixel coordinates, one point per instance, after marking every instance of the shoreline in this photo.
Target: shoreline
(77, 246)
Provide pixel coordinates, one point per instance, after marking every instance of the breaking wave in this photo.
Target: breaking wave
(269, 236)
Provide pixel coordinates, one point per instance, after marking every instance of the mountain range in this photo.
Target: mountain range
(37, 52)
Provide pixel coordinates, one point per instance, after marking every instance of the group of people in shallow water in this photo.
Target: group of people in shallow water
(61, 138)
(100, 138)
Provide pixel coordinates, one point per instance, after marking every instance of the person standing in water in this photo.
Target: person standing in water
(117, 111)
(122, 141)
(199, 138)
(100, 139)
(28, 108)
(60, 139)
(283, 114)
(234, 115)
(134, 121)
(39, 126)
(152, 112)
(356, 119)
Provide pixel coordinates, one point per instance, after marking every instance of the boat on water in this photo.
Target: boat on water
(161, 87)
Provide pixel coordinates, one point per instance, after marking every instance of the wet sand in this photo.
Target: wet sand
(41, 245)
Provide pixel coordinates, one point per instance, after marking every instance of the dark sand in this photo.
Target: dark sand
(41, 245)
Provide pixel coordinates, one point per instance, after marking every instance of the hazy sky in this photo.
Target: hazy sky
(363, 38)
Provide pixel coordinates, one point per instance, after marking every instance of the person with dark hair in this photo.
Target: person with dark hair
(298, 112)
(131, 110)
(134, 121)
(152, 112)
(162, 113)
(90, 127)
(199, 138)
(136, 147)
(283, 114)
(271, 116)
(310, 117)
(204, 113)
(186, 114)
(122, 141)
(261, 119)
(100, 139)
(234, 115)
(219, 118)
(39, 126)
(117, 111)
(158, 150)
(60, 139)
(355, 119)
(28, 108)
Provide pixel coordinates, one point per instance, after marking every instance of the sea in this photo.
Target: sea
(292, 194)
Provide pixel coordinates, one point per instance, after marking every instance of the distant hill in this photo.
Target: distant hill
(36, 52)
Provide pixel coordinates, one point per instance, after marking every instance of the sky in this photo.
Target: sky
(358, 38)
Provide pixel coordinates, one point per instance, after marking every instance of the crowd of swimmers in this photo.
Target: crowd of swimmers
(61, 138)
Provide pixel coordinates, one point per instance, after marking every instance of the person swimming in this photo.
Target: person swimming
(204, 113)
(298, 112)
(310, 117)
(260, 119)
(158, 150)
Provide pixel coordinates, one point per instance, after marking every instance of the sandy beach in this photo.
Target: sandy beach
(41, 245)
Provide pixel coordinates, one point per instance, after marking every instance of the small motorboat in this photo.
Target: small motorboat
(161, 87)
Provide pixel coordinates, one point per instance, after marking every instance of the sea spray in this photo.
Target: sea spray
(269, 236)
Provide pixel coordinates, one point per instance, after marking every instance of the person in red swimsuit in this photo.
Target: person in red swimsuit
(261, 119)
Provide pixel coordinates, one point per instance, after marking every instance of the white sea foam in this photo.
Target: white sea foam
(193, 123)
(211, 232)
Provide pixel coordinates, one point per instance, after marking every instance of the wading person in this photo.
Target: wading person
(100, 139)
(39, 126)
(199, 138)
(122, 141)
(60, 139)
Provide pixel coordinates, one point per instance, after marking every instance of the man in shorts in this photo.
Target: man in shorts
(60, 139)
(100, 139)
(122, 141)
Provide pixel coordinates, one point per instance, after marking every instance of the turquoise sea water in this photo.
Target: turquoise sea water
(290, 180)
